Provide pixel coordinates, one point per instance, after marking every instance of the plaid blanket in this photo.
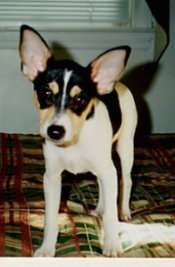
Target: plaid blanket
(151, 233)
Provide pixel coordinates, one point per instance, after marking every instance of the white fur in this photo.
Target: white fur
(88, 150)
(93, 153)
(125, 145)
(67, 75)
(61, 119)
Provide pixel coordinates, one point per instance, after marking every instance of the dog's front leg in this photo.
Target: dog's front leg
(52, 193)
(109, 188)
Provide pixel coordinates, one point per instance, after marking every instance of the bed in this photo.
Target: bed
(151, 232)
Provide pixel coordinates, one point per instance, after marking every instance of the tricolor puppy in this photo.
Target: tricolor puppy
(83, 112)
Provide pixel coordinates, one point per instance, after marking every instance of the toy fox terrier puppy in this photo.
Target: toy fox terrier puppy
(83, 111)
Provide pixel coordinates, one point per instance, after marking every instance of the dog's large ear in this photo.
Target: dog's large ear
(34, 52)
(107, 68)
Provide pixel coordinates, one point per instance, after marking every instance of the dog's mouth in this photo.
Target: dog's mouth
(67, 143)
(63, 130)
(63, 142)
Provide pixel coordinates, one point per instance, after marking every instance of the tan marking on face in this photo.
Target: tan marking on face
(77, 122)
(46, 115)
(53, 86)
(76, 90)
(35, 100)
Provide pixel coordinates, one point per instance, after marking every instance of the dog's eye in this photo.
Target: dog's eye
(45, 98)
(48, 97)
(48, 94)
(78, 99)
(78, 102)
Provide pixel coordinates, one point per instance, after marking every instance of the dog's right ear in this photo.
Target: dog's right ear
(108, 68)
(34, 52)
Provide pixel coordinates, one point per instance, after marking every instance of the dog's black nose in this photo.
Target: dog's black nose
(56, 132)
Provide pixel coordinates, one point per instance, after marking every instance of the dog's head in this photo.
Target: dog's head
(66, 92)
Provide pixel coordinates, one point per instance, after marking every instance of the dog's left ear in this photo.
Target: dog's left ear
(108, 68)
(34, 52)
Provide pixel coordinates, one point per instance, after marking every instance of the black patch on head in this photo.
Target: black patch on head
(112, 104)
(55, 72)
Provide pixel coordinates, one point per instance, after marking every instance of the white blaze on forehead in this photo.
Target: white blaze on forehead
(66, 78)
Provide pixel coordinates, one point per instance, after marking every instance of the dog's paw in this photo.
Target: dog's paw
(125, 215)
(44, 252)
(96, 212)
(112, 247)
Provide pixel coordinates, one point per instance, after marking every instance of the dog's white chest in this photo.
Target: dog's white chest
(89, 153)
(70, 159)
(73, 161)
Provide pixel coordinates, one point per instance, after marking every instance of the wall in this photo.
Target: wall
(161, 95)
(17, 113)
(155, 99)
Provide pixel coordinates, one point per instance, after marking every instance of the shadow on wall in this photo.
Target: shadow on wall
(139, 80)
(60, 51)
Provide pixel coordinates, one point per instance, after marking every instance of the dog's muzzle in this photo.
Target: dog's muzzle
(56, 132)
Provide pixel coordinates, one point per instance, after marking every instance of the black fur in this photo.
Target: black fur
(111, 101)
(55, 72)
(81, 77)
